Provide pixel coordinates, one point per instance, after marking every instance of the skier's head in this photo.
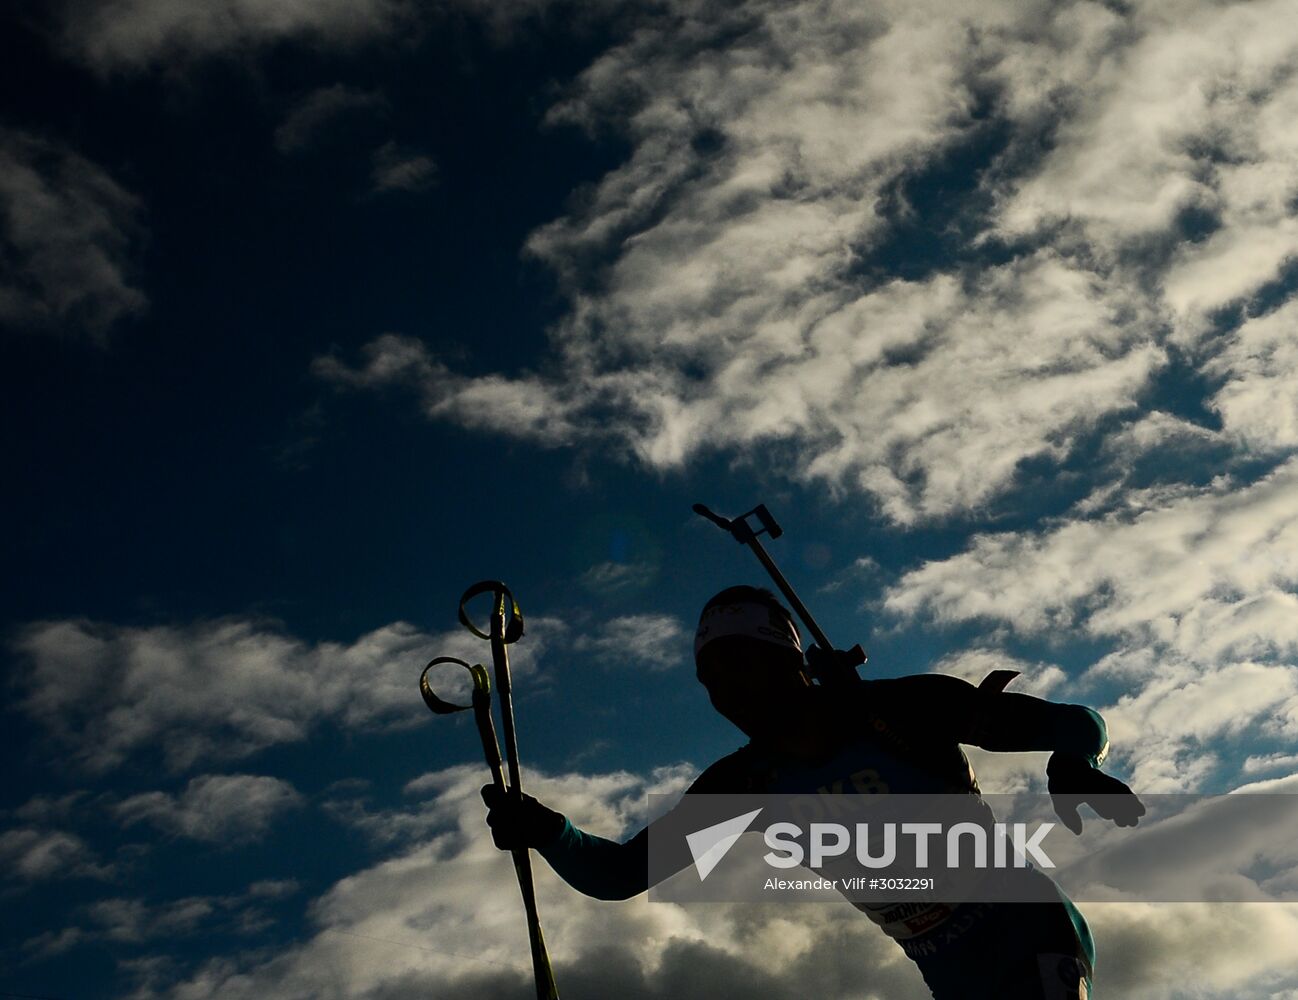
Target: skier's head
(749, 657)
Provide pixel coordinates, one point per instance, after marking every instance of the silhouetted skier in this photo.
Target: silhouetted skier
(893, 735)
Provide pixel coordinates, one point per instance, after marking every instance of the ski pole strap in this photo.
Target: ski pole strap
(513, 627)
(481, 710)
(440, 706)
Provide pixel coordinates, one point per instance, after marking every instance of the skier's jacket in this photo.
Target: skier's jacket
(899, 735)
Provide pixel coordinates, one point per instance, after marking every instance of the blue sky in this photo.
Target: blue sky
(313, 315)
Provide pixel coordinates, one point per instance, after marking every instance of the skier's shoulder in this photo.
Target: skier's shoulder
(920, 705)
(731, 773)
(915, 691)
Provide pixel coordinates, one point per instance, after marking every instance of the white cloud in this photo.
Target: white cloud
(1269, 762)
(828, 376)
(220, 809)
(719, 278)
(655, 641)
(1171, 729)
(973, 665)
(1183, 105)
(222, 690)
(1152, 432)
(443, 915)
(729, 283)
(1008, 773)
(1195, 586)
(617, 577)
(1156, 951)
(66, 232)
(614, 801)
(1208, 570)
(1258, 401)
(490, 402)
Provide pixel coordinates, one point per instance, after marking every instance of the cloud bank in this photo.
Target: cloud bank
(789, 263)
(443, 915)
(221, 691)
(1194, 588)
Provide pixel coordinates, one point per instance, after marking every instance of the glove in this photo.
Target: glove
(516, 824)
(1072, 781)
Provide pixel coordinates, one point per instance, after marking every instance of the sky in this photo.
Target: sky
(314, 314)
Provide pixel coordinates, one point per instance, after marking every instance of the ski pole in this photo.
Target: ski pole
(834, 668)
(506, 627)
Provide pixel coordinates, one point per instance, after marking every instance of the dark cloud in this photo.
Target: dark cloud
(322, 108)
(396, 169)
(67, 232)
(29, 854)
(134, 34)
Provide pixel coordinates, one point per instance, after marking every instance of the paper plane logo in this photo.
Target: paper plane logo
(709, 846)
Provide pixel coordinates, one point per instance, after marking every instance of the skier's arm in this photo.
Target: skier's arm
(997, 720)
(1080, 742)
(1011, 722)
(597, 867)
(592, 865)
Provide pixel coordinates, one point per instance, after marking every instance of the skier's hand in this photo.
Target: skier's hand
(1072, 781)
(516, 824)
